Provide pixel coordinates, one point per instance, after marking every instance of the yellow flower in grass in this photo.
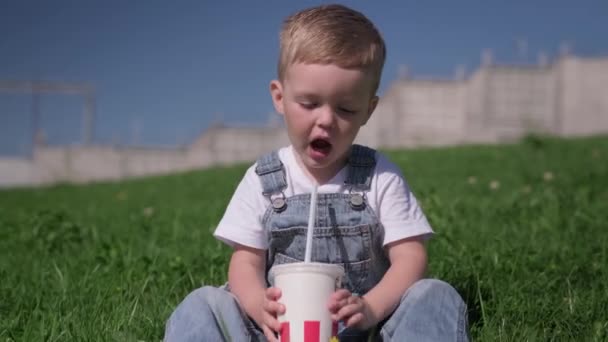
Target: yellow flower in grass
(148, 211)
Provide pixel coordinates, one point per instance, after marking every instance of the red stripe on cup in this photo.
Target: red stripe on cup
(312, 331)
(285, 332)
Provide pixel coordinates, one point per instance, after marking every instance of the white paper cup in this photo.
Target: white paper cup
(305, 289)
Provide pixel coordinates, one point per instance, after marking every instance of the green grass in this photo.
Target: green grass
(110, 261)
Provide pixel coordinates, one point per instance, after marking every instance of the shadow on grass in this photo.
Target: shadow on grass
(476, 295)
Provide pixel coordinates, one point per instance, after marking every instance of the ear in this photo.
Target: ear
(276, 92)
(370, 109)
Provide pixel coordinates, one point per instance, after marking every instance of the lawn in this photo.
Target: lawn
(522, 233)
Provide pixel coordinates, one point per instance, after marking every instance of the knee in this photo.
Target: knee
(205, 293)
(203, 297)
(191, 315)
(434, 289)
(198, 302)
(431, 308)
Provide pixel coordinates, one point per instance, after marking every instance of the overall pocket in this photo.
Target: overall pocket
(356, 272)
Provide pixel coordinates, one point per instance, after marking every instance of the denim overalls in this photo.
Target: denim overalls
(347, 231)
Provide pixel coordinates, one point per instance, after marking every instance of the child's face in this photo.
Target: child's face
(324, 107)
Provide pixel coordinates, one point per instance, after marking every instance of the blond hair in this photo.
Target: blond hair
(332, 34)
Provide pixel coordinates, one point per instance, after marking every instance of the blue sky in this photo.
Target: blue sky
(164, 70)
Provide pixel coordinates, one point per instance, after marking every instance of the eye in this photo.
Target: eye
(347, 111)
(308, 105)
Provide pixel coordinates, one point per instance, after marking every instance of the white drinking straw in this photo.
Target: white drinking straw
(311, 223)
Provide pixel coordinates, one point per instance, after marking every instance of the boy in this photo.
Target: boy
(331, 60)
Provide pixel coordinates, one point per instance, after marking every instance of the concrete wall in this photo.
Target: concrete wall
(87, 163)
(227, 145)
(516, 100)
(17, 172)
(377, 132)
(80, 164)
(418, 112)
(583, 100)
(432, 112)
(476, 107)
(496, 103)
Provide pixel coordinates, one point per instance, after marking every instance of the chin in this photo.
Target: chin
(320, 164)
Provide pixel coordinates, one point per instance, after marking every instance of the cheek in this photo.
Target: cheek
(295, 113)
(347, 125)
(291, 107)
(295, 118)
(348, 130)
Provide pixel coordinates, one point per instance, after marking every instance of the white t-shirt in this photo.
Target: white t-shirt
(389, 197)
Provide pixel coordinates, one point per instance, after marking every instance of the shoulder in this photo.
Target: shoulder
(384, 167)
(285, 154)
(250, 184)
(366, 154)
(388, 176)
(269, 162)
(263, 161)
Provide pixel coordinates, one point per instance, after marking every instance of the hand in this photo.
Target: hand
(351, 309)
(270, 309)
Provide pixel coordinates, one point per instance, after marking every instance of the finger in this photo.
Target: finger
(347, 301)
(273, 293)
(337, 300)
(340, 294)
(334, 304)
(339, 305)
(272, 323)
(354, 320)
(347, 310)
(270, 335)
(274, 308)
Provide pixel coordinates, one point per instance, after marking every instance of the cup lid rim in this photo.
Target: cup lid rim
(309, 266)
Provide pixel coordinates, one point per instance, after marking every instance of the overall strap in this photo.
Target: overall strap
(361, 164)
(272, 175)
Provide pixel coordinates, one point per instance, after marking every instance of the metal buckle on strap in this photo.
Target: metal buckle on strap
(279, 203)
(357, 199)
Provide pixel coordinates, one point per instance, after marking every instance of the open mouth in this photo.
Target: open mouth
(321, 146)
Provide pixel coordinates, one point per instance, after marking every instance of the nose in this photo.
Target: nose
(326, 117)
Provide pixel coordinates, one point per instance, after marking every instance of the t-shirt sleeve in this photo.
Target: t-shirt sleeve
(241, 223)
(398, 209)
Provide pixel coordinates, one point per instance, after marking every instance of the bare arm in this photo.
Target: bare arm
(246, 279)
(247, 283)
(408, 264)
